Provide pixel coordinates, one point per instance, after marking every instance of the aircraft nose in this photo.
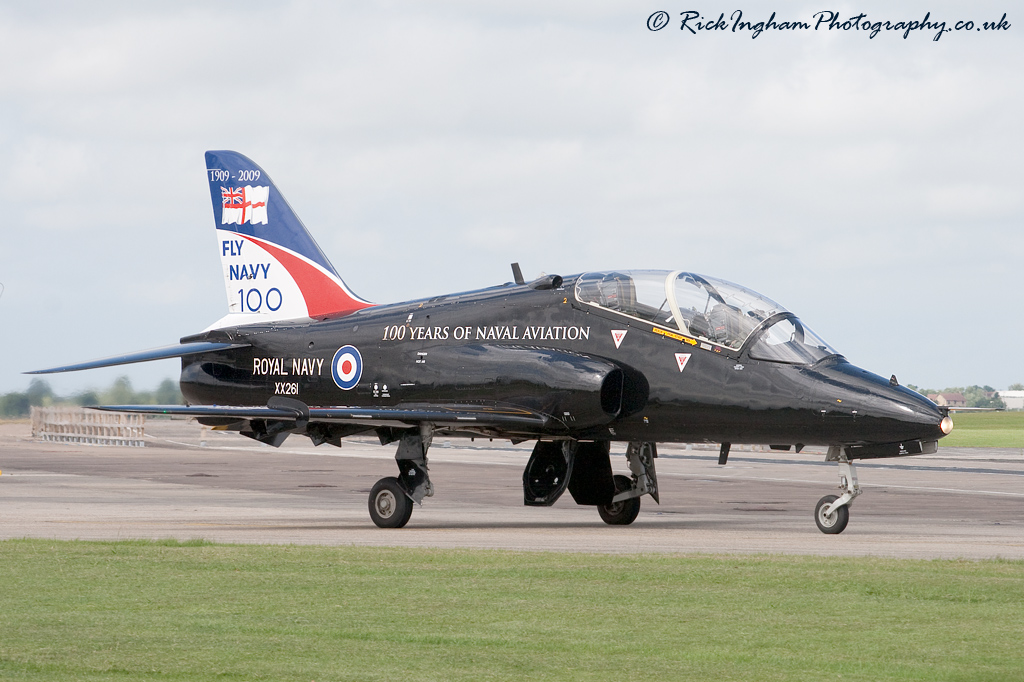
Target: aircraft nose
(910, 407)
(883, 410)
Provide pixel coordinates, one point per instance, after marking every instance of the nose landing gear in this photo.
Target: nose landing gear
(832, 513)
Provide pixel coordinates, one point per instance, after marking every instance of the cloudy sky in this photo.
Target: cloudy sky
(871, 185)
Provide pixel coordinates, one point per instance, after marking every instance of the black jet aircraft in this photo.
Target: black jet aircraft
(575, 363)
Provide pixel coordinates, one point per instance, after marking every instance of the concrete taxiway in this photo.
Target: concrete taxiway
(191, 482)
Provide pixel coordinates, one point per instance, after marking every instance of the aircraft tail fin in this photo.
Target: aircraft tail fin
(273, 269)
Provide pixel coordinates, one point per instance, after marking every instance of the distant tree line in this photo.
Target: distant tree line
(40, 393)
(976, 396)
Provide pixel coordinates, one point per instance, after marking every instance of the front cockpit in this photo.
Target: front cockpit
(707, 309)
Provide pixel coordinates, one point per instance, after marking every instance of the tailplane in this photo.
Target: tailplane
(273, 270)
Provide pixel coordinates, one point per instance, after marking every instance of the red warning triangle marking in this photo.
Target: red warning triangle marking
(682, 359)
(618, 335)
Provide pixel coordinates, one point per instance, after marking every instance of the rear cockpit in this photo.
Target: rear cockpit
(707, 309)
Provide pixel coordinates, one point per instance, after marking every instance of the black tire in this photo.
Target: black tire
(835, 522)
(389, 506)
(620, 513)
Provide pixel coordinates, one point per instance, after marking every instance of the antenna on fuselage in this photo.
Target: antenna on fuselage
(518, 274)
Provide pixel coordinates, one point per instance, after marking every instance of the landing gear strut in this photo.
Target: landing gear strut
(391, 499)
(832, 513)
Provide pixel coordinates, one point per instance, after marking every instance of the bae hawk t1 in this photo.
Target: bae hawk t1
(580, 363)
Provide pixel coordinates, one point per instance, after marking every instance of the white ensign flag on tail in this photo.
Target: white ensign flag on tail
(243, 205)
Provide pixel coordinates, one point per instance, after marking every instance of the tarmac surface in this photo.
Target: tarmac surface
(191, 482)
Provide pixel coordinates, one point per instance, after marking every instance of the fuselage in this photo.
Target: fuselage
(599, 373)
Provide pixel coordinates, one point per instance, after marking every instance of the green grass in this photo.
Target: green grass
(196, 611)
(986, 430)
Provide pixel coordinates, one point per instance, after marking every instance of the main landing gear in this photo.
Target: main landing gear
(582, 468)
(833, 513)
(625, 505)
(391, 498)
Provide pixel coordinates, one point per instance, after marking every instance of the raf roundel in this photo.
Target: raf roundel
(347, 367)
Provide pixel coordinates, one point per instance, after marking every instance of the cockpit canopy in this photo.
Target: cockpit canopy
(706, 308)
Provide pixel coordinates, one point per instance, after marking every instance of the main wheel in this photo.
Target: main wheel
(835, 522)
(390, 507)
(624, 512)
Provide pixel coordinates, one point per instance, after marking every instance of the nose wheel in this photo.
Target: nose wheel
(833, 522)
(832, 513)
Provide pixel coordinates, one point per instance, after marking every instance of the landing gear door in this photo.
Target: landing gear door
(547, 473)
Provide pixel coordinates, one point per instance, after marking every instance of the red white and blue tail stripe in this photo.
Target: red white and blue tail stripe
(273, 270)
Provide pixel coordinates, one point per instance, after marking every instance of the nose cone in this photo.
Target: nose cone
(867, 408)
